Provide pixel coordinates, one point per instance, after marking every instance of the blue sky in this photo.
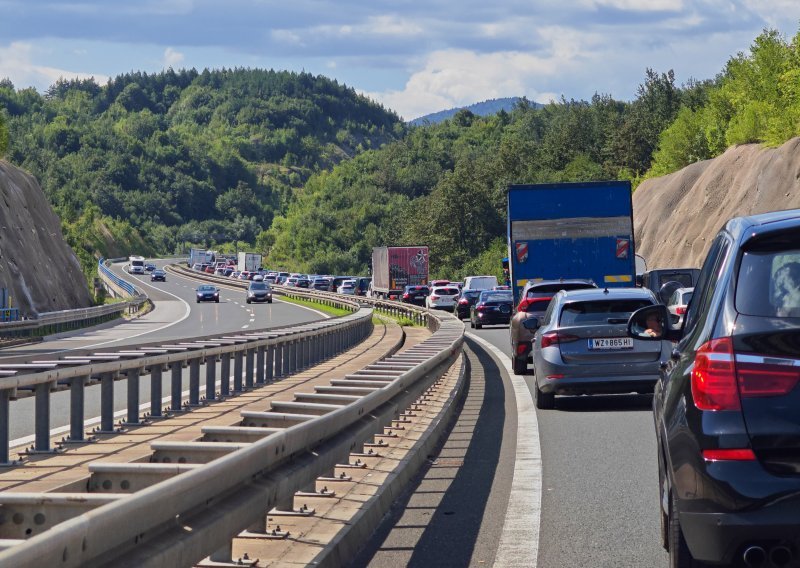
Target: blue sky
(414, 57)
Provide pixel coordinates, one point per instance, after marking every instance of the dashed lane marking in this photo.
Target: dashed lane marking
(519, 541)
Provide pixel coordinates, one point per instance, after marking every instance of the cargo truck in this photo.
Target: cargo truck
(571, 230)
(201, 256)
(394, 268)
(249, 261)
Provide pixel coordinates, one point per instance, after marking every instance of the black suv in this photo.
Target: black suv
(415, 295)
(726, 407)
(664, 281)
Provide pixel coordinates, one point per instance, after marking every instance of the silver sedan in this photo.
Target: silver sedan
(581, 345)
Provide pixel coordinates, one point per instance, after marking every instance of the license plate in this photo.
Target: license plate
(611, 343)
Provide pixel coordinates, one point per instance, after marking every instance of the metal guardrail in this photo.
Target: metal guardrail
(65, 320)
(215, 502)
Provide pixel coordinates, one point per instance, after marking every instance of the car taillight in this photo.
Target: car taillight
(522, 347)
(765, 376)
(406, 296)
(714, 376)
(527, 303)
(743, 454)
(554, 338)
(680, 310)
(480, 308)
(463, 302)
(434, 297)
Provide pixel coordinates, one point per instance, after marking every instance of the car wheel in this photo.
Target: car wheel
(478, 325)
(679, 555)
(248, 301)
(269, 301)
(520, 366)
(544, 400)
(216, 301)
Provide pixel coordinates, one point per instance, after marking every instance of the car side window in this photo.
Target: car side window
(549, 313)
(706, 284)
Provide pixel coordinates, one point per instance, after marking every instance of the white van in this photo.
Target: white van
(479, 283)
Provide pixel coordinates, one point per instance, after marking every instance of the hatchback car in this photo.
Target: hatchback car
(582, 346)
(677, 304)
(442, 297)
(727, 406)
(322, 284)
(158, 274)
(207, 293)
(535, 299)
(466, 300)
(493, 307)
(149, 267)
(415, 295)
(347, 287)
(259, 291)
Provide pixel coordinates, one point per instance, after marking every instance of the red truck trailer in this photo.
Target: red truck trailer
(394, 268)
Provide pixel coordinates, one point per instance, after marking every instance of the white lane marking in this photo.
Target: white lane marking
(519, 541)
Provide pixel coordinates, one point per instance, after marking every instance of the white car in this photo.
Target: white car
(347, 287)
(677, 304)
(442, 298)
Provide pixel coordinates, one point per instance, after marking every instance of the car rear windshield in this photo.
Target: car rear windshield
(768, 284)
(553, 288)
(682, 278)
(496, 297)
(446, 291)
(600, 311)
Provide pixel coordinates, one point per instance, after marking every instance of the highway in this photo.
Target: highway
(176, 316)
(599, 504)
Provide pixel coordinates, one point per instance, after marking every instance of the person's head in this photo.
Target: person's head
(653, 322)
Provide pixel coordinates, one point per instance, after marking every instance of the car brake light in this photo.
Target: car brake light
(405, 296)
(765, 376)
(743, 454)
(527, 303)
(680, 310)
(480, 308)
(555, 338)
(714, 376)
(463, 301)
(522, 347)
(434, 297)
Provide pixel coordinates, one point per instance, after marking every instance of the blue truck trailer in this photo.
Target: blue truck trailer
(571, 230)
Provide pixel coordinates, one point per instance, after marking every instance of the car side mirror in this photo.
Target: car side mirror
(651, 323)
(531, 324)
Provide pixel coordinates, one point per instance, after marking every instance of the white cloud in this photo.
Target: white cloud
(638, 5)
(16, 63)
(390, 25)
(453, 78)
(172, 58)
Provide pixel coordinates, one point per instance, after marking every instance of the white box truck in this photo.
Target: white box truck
(249, 261)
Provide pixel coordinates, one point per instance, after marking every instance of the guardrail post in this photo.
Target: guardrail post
(286, 353)
(176, 385)
(248, 368)
(225, 375)
(76, 392)
(237, 372)
(156, 378)
(5, 395)
(107, 403)
(307, 352)
(279, 360)
(194, 382)
(211, 378)
(270, 362)
(133, 396)
(42, 417)
(292, 357)
(260, 355)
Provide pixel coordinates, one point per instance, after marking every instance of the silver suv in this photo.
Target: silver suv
(259, 291)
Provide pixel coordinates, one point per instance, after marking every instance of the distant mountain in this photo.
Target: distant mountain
(485, 108)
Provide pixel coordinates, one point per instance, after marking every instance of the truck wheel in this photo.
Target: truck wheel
(520, 366)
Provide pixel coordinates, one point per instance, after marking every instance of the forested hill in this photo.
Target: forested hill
(187, 156)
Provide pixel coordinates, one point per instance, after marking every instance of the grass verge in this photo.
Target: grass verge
(330, 310)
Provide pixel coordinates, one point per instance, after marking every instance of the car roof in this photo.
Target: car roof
(754, 225)
(602, 293)
(530, 284)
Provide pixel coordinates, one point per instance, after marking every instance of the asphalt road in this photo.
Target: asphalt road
(600, 479)
(176, 316)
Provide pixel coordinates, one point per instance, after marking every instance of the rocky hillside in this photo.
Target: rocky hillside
(38, 268)
(676, 216)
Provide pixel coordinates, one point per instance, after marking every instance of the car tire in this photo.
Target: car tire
(216, 301)
(478, 325)
(544, 400)
(679, 554)
(248, 301)
(269, 301)
(520, 366)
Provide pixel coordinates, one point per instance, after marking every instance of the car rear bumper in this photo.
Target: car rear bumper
(723, 537)
(491, 318)
(617, 384)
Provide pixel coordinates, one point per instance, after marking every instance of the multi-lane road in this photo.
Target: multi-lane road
(598, 476)
(176, 315)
